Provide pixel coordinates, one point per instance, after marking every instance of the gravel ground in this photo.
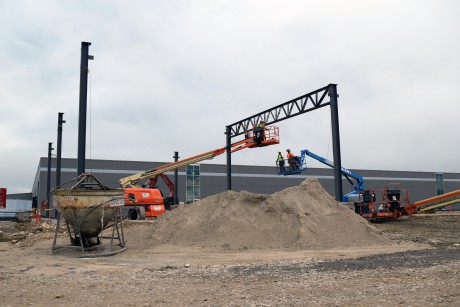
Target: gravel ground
(422, 268)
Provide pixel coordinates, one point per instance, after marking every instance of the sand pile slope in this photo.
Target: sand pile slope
(301, 217)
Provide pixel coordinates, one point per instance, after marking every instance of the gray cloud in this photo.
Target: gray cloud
(170, 75)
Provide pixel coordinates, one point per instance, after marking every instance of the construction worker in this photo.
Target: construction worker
(259, 133)
(42, 210)
(38, 216)
(291, 160)
(280, 162)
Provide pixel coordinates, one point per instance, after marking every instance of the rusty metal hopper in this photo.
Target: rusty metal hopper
(88, 207)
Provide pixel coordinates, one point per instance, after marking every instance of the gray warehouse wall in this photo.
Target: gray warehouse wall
(256, 179)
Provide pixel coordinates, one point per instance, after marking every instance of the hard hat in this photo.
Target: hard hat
(288, 150)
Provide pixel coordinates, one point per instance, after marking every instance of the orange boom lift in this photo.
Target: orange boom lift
(150, 202)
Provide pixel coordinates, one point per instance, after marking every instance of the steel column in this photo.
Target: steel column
(48, 178)
(59, 149)
(82, 111)
(176, 181)
(229, 157)
(336, 142)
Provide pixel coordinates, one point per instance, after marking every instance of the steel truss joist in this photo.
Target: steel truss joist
(303, 104)
(326, 96)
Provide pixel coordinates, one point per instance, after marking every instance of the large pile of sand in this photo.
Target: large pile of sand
(301, 217)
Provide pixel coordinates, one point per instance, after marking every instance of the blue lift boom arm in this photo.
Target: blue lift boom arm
(359, 186)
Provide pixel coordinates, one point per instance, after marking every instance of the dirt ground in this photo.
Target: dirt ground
(420, 267)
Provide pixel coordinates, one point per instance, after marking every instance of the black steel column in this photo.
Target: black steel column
(229, 157)
(59, 147)
(48, 179)
(83, 99)
(336, 142)
(176, 179)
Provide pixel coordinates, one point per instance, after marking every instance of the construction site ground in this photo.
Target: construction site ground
(421, 268)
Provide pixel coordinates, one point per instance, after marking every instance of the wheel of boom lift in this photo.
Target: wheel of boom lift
(132, 214)
(141, 213)
(137, 213)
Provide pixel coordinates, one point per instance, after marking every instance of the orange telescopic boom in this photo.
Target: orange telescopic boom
(150, 202)
(271, 137)
(429, 204)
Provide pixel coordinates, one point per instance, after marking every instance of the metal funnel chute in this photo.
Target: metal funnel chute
(88, 207)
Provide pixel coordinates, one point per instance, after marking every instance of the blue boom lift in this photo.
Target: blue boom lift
(299, 164)
(390, 203)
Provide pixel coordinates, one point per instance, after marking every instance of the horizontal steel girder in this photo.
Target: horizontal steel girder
(306, 103)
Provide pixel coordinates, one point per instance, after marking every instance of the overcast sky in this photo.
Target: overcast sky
(170, 75)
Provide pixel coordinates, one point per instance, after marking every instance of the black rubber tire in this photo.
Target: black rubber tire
(132, 214)
(141, 213)
(137, 213)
